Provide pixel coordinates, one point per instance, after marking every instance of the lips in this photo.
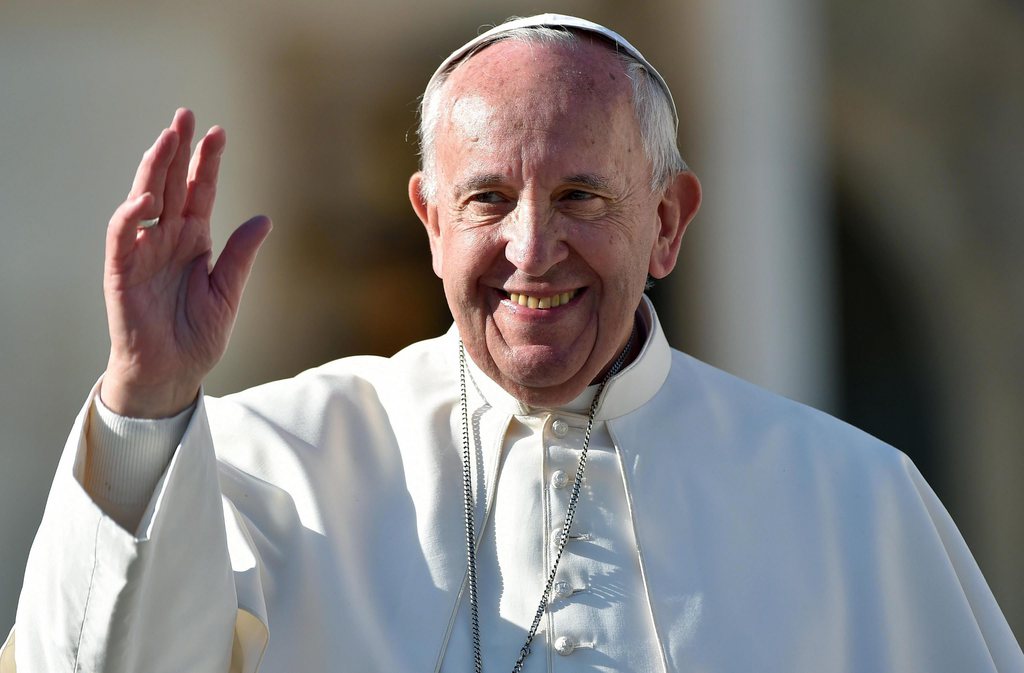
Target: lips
(542, 302)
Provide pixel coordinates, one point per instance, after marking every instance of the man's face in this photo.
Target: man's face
(543, 225)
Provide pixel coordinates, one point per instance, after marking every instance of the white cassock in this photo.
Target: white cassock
(316, 524)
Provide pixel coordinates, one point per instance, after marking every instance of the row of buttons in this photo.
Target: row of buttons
(561, 590)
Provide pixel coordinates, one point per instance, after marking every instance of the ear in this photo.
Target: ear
(679, 204)
(427, 212)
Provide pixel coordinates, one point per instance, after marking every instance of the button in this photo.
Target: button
(561, 590)
(556, 537)
(559, 479)
(560, 428)
(565, 645)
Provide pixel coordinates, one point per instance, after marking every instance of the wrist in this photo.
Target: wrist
(151, 401)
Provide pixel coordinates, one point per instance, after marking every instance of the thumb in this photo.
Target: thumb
(235, 262)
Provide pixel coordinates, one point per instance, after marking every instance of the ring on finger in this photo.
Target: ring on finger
(146, 224)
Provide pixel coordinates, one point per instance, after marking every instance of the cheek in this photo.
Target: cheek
(620, 250)
(467, 256)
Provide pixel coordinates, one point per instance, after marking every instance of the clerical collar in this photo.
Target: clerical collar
(626, 392)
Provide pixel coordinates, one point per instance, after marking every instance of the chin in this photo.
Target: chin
(544, 391)
(540, 375)
(553, 396)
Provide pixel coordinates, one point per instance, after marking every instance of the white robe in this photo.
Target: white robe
(326, 534)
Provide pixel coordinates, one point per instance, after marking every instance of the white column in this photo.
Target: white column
(762, 276)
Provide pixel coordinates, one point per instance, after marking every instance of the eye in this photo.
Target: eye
(487, 197)
(578, 195)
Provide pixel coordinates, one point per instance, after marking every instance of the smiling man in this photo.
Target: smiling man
(548, 219)
(547, 487)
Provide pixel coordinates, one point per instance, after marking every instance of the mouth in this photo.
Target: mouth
(537, 301)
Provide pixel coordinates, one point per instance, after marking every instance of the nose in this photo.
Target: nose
(535, 241)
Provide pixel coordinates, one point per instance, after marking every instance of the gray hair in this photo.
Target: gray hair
(651, 104)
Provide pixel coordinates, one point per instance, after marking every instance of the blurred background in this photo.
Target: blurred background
(858, 249)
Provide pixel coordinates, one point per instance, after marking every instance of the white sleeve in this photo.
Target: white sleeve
(97, 598)
(125, 458)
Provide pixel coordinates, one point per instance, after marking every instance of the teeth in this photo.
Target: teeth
(530, 301)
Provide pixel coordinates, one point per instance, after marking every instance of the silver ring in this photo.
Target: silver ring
(146, 224)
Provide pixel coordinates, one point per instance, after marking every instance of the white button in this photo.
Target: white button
(556, 536)
(561, 590)
(565, 645)
(560, 428)
(559, 479)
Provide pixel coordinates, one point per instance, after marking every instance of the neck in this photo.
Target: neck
(629, 350)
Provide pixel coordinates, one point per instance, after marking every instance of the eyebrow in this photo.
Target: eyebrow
(595, 182)
(476, 182)
(485, 180)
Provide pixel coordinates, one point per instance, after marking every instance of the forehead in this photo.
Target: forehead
(550, 90)
(538, 79)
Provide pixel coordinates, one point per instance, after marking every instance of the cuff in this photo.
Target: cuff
(126, 458)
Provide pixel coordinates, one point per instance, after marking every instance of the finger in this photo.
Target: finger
(235, 263)
(184, 124)
(124, 225)
(202, 178)
(152, 171)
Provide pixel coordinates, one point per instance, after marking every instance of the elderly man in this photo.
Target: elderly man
(547, 487)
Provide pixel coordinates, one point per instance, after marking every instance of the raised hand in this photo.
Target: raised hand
(170, 312)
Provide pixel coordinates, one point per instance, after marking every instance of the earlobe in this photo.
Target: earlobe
(677, 208)
(427, 212)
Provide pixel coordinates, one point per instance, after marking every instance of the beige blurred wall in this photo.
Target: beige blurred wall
(909, 115)
(81, 92)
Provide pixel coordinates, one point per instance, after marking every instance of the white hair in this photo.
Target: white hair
(651, 105)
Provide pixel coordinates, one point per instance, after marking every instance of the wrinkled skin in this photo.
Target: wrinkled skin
(170, 308)
(544, 188)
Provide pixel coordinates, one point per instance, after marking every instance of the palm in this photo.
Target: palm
(166, 324)
(169, 313)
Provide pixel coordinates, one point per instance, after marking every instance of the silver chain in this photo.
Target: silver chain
(574, 496)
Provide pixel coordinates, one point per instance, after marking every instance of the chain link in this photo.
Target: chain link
(468, 502)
